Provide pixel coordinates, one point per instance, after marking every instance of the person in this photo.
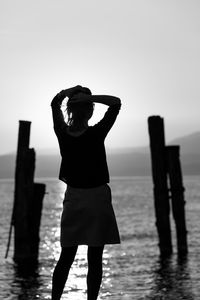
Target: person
(88, 217)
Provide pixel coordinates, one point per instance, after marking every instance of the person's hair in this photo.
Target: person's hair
(79, 112)
(84, 90)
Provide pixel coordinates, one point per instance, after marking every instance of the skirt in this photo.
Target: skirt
(88, 217)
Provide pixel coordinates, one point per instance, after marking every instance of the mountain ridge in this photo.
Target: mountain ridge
(127, 161)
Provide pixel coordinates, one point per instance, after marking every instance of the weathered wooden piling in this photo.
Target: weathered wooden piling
(35, 218)
(161, 192)
(166, 165)
(28, 198)
(177, 197)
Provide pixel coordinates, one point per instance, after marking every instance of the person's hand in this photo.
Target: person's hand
(71, 91)
(80, 97)
(66, 93)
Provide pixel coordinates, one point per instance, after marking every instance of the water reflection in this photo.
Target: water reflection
(106, 282)
(26, 283)
(172, 280)
(75, 288)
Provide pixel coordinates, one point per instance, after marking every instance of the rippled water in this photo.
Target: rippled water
(132, 270)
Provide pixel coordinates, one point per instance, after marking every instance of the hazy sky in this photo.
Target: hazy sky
(147, 52)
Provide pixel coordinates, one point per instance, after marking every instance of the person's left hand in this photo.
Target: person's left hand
(80, 97)
(69, 92)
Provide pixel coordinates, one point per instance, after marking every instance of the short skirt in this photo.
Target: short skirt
(88, 217)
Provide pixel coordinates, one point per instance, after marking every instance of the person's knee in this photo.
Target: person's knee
(95, 257)
(68, 254)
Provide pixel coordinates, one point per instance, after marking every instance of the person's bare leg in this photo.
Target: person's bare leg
(61, 271)
(95, 271)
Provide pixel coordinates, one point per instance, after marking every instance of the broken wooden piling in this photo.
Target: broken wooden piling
(28, 198)
(161, 197)
(177, 197)
(168, 185)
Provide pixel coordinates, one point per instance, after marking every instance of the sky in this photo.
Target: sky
(146, 52)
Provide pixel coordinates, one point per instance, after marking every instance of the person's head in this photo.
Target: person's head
(79, 113)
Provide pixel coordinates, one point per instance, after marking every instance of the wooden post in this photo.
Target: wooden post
(27, 208)
(177, 197)
(35, 218)
(159, 173)
(22, 147)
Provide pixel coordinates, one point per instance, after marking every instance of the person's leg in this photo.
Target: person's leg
(61, 271)
(95, 271)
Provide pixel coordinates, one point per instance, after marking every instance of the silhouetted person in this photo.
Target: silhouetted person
(88, 217)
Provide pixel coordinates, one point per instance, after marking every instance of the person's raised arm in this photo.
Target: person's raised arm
(58, 119)
(103, 99)
(113, 103)
(57, 100)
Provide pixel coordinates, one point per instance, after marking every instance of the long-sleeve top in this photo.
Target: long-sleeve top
(83, 163)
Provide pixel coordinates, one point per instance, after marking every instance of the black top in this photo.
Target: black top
(84, 162)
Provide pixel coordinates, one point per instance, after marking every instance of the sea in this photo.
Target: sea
(133, 270)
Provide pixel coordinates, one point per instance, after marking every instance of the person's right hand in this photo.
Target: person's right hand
(67, 93)
(74, 90)
(80, 97)
(70, 91)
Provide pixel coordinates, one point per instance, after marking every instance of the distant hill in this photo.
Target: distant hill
(121, 161)
(189, 144)
(7, 163)
(189, 153)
